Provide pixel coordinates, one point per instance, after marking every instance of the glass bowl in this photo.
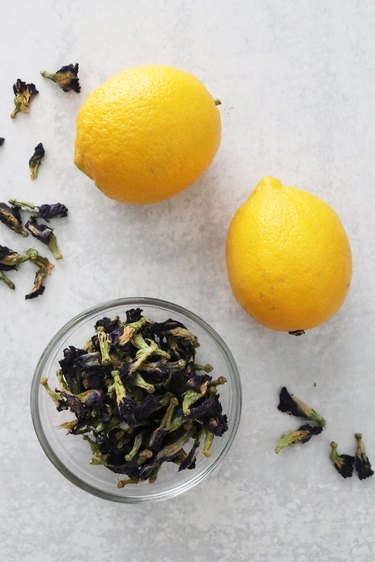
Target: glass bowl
(71, 455)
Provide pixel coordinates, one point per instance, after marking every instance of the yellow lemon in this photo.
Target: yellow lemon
(288, 257)
(147, 133)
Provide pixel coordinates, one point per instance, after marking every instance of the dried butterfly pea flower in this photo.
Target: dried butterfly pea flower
(108, 324)
(104, 345)
(125, 332)
(73, 403)
(189, 398)
(137, 380)
(23, 94)
(11, 217)
(44, 269)
(128, 386)
(202, 408)
(35, 160)
(98, 456)
(145, 350)
(156, 372)
(344, 464)
(46, 211)
(69, 368)
(148, 406)
(66, 77)
(44, 234)
(302, 435)
(69, 425)
(362, 463)
(138, 440)
(186, 336)
(125, 405)
(215, 420)
(295, 407)
(133, 315)
(9, 259)
(190, 459)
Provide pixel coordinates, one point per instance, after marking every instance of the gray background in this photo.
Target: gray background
(296, 80)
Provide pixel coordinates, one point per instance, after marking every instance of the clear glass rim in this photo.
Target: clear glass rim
(164, 305)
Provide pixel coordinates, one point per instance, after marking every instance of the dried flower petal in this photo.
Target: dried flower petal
(10, 216)
(344, 464)
(147, 407)
(104, 344)
(44, 269)
(54, 395)
(302, 435)
(9, 259)
(190, 460)
(124, 334)
(23, 94)
(125, 405)
(46, 211)
(133, 315)
(35, 160)
(2, 140)
(362, 463)
(108, 324)
(295, 407)
(189, 398)
(44, 234)
(66, 77)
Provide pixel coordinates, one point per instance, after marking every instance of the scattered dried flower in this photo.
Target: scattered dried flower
(295, 407)
(44, 234)
(362, 463)
(11, 217)
(45, 211)
(35, 160)
(66, 77)
(9, 259)
(302, 435)
(344, 464)
(44, 269)
(23, 94)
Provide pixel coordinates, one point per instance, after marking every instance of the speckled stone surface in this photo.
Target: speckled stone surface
(296, 80)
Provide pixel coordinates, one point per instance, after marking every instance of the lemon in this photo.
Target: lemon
(147, 133)
(288, 257)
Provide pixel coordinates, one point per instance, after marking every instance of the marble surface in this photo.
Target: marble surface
(296, 80)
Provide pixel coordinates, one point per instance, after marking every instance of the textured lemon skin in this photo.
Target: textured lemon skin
(147, 133)
(288, 257)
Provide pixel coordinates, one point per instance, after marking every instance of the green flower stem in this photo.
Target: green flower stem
(105, 346)
(189, 398)
(208, 440)
(51, 393)
(6, 280)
